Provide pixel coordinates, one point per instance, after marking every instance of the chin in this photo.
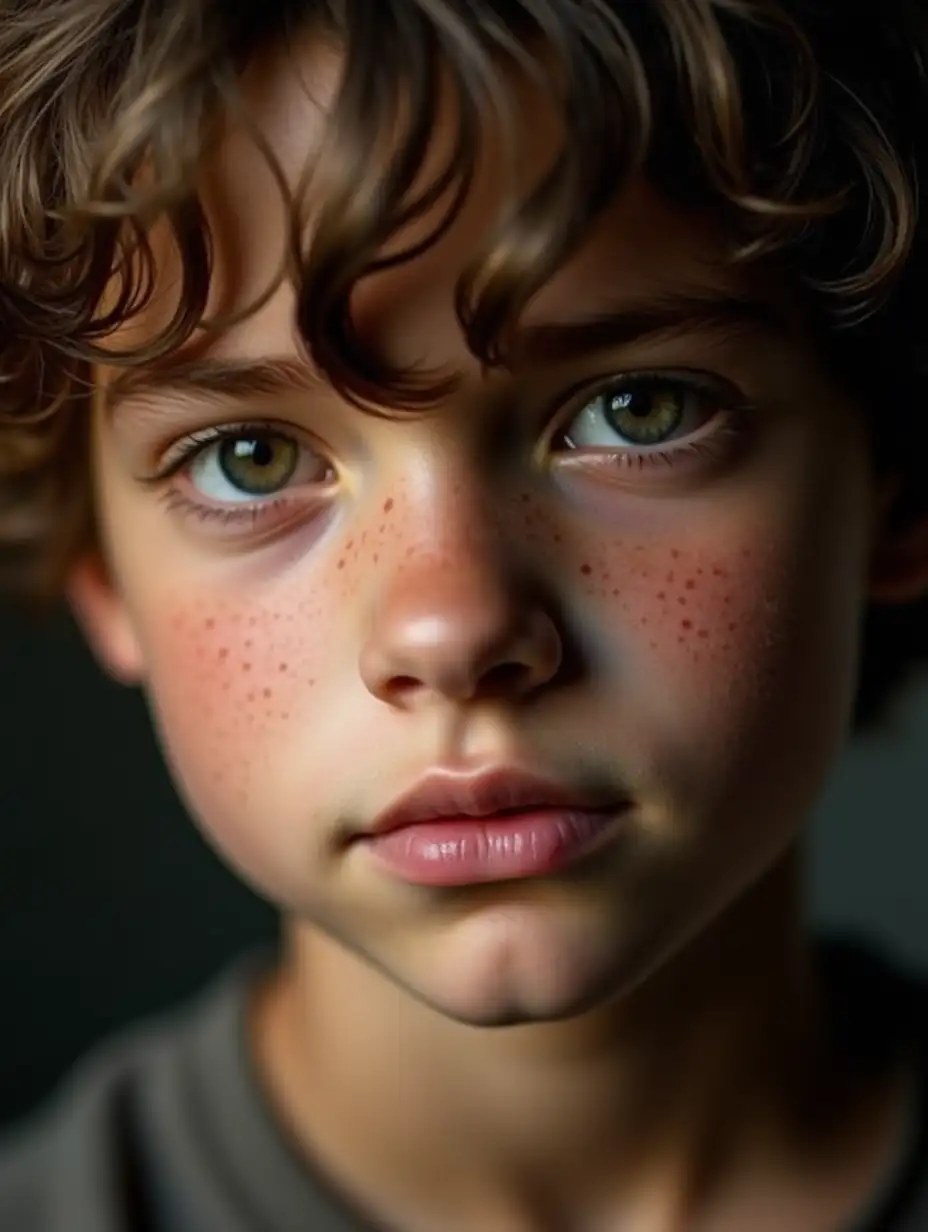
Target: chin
(517, 1008)
(508, 971)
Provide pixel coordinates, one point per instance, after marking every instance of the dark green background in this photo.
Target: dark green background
(111, 906)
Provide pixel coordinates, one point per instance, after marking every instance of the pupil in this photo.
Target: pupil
(637, 403)
(258, 451)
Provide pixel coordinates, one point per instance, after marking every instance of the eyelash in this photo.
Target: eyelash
(732, 412)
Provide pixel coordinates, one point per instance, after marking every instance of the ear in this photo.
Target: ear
(100, 611)
(899, 559)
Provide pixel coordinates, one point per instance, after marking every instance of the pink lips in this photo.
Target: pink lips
(496, 826)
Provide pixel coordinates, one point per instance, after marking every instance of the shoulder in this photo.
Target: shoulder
(86, 1160)
(67, 1167)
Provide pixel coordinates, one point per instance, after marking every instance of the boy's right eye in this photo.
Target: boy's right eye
(249, 466)
(233, 465)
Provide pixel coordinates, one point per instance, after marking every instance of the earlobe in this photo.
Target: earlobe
(101, 613)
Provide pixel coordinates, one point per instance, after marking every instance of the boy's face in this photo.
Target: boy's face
(685, 620)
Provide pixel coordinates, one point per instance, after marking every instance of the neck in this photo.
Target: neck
(710, 1055)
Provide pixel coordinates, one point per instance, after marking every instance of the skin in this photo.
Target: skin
(685, 633)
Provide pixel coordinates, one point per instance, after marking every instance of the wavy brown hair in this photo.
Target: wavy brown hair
(801, 123)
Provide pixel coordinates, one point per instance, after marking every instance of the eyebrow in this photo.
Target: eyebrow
(213, 377)
(700, 311)
(678, 313)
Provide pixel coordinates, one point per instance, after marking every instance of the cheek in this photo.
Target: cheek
(702, 621)
(734, 652)
(227, 682)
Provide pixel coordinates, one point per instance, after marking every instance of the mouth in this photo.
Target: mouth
(497, 826)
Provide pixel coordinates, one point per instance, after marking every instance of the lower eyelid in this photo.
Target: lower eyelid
(280, 508)
(715, 442)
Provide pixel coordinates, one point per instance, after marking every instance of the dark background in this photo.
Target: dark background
(112, 907)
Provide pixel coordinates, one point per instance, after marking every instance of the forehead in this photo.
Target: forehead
(639, 246)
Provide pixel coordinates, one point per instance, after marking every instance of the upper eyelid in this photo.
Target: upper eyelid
(569, 404)
(186, 448)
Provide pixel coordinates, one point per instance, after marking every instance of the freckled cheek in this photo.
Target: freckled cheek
(723, 643)
(680, 607)
(230, 684)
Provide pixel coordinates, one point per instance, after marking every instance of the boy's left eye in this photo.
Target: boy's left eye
(251, 465)
(642, 411)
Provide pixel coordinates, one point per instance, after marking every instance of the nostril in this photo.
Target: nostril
(504, 679)
(404, 684)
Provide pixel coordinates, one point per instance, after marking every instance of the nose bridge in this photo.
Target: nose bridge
(452, 524)
(452, 605)
(448, 555)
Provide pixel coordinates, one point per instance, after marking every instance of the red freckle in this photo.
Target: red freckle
(703, 632)
(718, 573)
(687, 624)
(699, 572)
(726, 601)
(662, 594)
(388, 505)
(679, 641)
(670, 576)
(585, 569)
(691, 585)
(682, 601)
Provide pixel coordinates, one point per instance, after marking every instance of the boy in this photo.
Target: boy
(490, 434)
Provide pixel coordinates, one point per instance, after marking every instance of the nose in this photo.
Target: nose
(461, 626)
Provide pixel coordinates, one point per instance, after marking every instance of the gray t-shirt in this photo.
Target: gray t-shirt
(166, 1128)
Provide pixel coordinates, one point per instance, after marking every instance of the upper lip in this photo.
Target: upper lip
(443, 794)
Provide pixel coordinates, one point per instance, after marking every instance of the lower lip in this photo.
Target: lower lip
(469, 850)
